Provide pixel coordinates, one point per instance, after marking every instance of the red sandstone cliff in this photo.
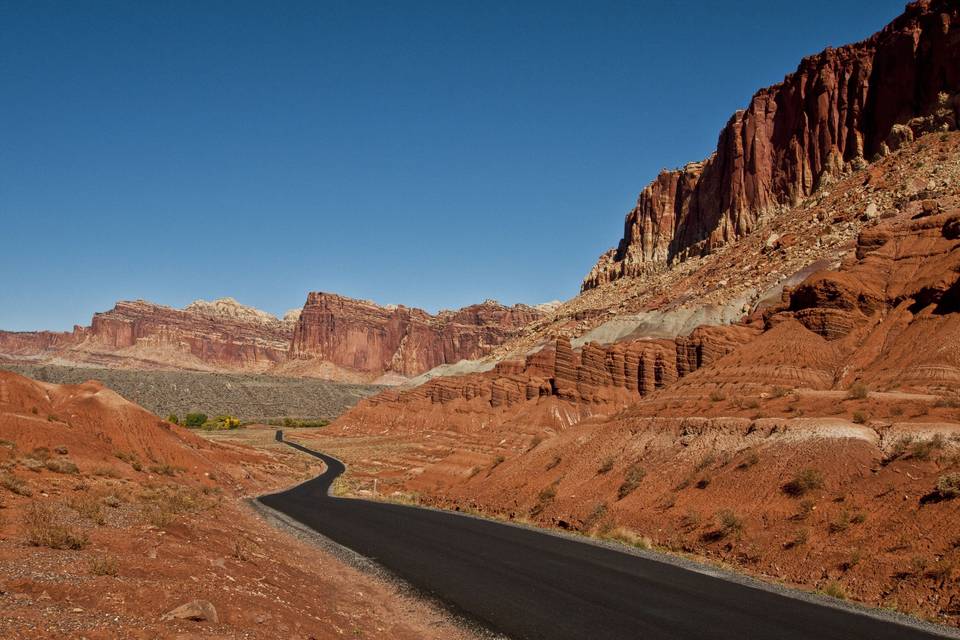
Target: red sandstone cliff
(333, 336)
(839, 109)
(365, 337)
(220, 335)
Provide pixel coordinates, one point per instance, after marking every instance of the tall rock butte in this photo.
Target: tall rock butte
(840, 109)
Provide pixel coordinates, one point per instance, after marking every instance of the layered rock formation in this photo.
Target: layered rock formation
(219, 335)
(332, 337)
(839, 109)
(612, 375)
(362, 336)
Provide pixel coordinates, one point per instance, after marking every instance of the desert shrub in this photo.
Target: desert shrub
(40, 453)
(88, 507)
(805, 481)
(15, 485)
(497, 462)
(834, 590)
(703, 483)
(554, 462)
(106, 471)
(942, 570)
(535, 442)
(728, 523)
(946, 402)
(922, 449)
(296, 423)
(749, 460)
(631, 480)
(706, 461)
(858, 518)
(104, 566)
(717, 396)
(241, 549)
(161, 505)
(840, 524)
(628, 537)
(44, 529)
(194, 420)
(595, 516)
(859, 417)
(800, 538)
(948, 486)
(858, 391)
(33, 464)
(606, 466)
(544, 499)
(61, 450)
(805, 508)
(780, 392)
(58, 465)
(899, 449)
(173, 418)
(164, 470)
(113, 501)
(691, 520)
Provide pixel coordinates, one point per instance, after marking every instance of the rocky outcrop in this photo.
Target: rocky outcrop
(838, 110)
(362, 336)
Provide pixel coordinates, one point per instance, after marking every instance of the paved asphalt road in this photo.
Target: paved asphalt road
(527, 584)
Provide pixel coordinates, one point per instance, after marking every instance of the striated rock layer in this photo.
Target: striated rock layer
(889, 318)
(332, 337)
(219, 335)
(839, 109)
(363, 336)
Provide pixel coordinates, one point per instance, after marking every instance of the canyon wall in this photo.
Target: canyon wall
(332, 336)
(839, 109)
(363, 336)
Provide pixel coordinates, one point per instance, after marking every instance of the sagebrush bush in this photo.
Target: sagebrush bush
(858, 391)
(15, 485)
(631, 480)
(805, 481)
(44, 529)
(948, 486)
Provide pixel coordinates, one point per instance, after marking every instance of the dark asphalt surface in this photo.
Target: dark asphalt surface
(527, 584)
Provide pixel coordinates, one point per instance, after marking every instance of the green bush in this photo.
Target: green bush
(173, 418)
(194, 419)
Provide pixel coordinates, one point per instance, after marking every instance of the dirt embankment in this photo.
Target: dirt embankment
(116, 524)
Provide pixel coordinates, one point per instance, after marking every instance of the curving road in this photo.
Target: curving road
(527, 584)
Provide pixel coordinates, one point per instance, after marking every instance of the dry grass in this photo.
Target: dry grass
(544, 499)
(631, 480)
(45, 529)
(858, 391)
(88, 507)
(62, 465)
(606, 466)
(628, 537)
(104, 566)
(15, 485)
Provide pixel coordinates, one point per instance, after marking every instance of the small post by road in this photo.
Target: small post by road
(279, 435)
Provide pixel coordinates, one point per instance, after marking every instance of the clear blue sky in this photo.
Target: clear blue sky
(425, 153)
